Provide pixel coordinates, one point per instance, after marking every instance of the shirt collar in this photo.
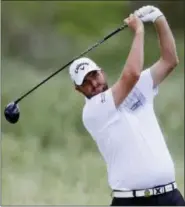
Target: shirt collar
(86, 100)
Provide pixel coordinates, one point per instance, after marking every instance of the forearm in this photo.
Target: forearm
(166, 40)
(135, 60)
(131, 71)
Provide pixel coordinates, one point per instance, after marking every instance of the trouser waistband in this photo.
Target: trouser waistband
(145, 192)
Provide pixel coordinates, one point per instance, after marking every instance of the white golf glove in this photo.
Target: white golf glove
(148, 13)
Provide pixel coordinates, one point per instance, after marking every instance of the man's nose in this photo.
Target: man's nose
(94, 83)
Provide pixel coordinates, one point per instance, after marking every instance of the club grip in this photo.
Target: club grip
(115, 31)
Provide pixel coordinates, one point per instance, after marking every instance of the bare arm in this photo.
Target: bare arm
(168, 60)
(133, 66)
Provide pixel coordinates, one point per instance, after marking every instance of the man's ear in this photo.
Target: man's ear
(77, 88)
(103, 72)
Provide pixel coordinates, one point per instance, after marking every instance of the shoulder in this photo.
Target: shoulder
(93, 106)
(146, 84)
(89, 109)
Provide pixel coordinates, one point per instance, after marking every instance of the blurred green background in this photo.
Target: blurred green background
(48, 157)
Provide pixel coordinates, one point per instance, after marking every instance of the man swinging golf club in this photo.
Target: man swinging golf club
(122, 121)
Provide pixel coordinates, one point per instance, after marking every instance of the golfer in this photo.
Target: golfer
(122, 121)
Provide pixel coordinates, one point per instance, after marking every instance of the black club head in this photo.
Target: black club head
(12, 112)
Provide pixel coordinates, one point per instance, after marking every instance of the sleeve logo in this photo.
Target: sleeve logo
(102, 97)
(134, 100)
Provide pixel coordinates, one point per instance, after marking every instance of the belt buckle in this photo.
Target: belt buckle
(147, 193)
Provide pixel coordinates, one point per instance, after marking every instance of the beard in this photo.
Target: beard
(104, 88)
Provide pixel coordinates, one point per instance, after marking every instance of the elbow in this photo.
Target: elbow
(136, 72)
(133, 75)
(136, 76)
(172, 62)
(176, 61)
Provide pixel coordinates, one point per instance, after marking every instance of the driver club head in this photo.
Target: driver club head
(12, 113)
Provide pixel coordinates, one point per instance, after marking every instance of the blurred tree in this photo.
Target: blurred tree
(39, 36)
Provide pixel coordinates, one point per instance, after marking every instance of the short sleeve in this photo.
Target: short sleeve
(145, 85)
(99, 111)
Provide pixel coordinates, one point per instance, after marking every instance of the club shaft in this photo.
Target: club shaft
(86, 51)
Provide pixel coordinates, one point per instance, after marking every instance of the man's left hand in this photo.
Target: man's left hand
(148, 13)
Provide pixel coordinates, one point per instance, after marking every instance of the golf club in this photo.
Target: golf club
(12, 112)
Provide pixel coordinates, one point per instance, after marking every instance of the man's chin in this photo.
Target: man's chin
(97, 92)
(92, 95)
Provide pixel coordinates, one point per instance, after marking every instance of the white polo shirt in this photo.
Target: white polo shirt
(129, 137)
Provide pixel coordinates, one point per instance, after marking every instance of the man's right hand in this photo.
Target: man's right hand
(134, 23)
